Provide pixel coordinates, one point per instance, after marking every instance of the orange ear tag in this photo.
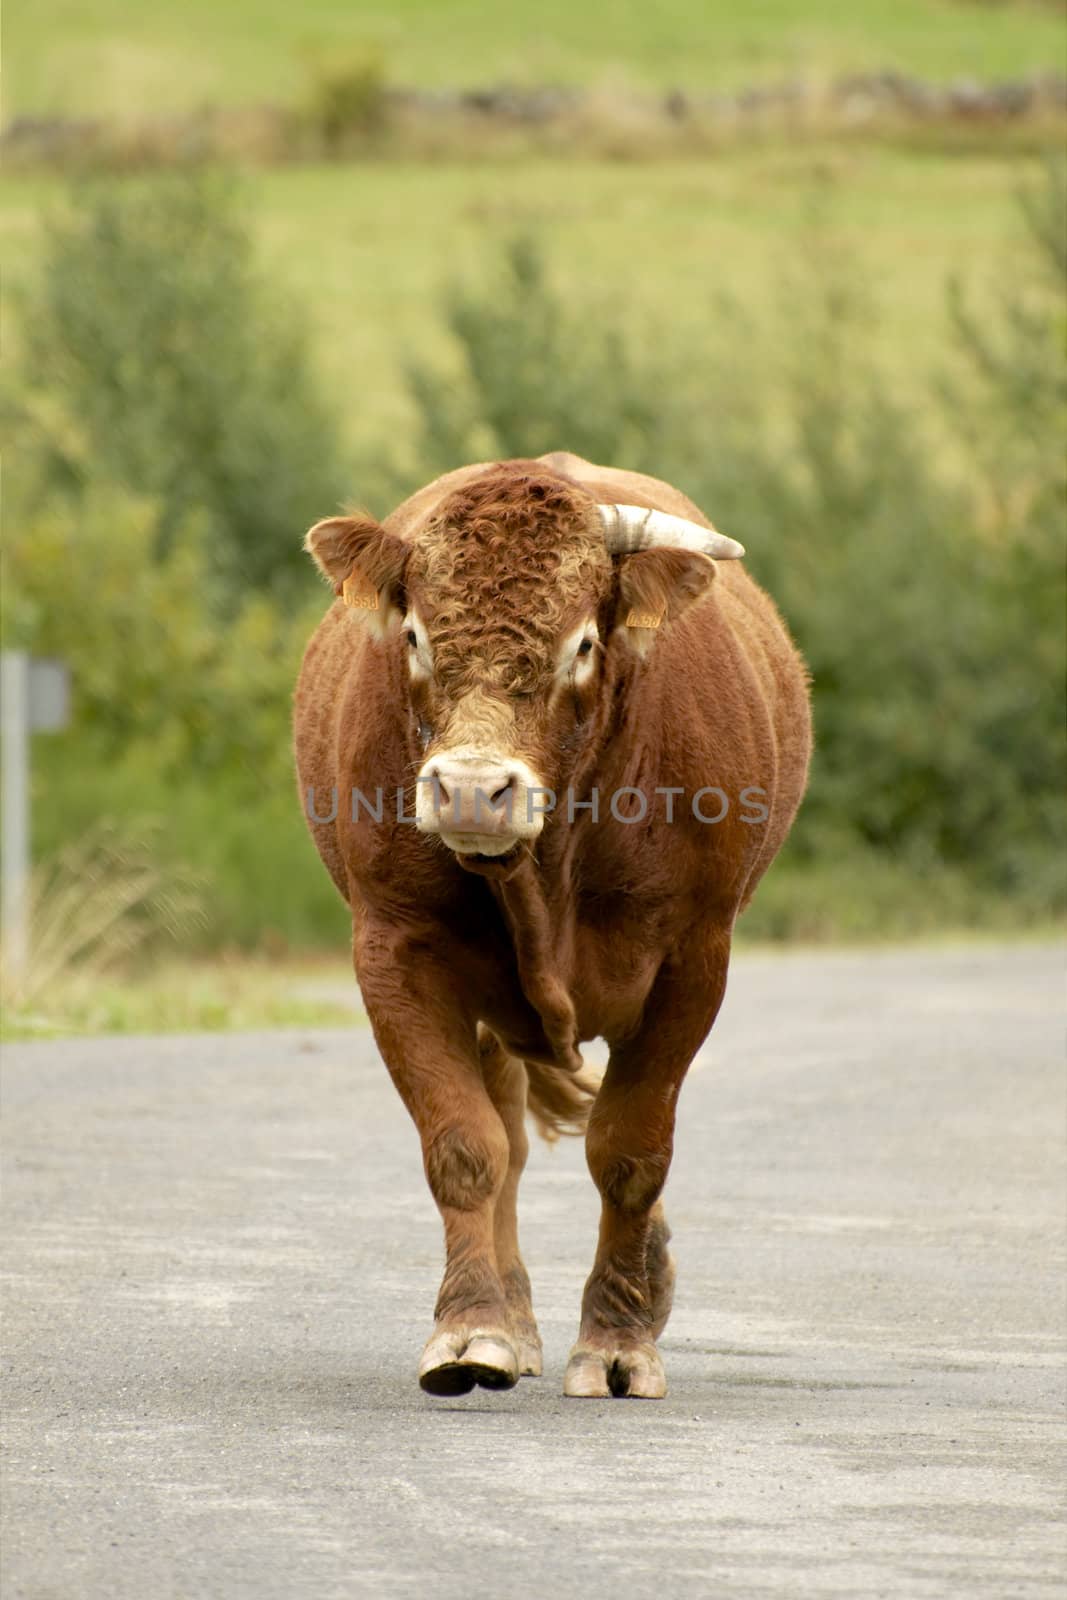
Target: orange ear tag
(359, 592)
(644, 619)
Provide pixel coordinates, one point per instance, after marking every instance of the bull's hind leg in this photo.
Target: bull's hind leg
(628, 1295)
(505, 1079)
(429, 1043)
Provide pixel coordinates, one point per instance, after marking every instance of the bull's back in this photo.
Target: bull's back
(781, 679)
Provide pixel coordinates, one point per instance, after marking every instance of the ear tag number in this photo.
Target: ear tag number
(357, 591)
(644, 619)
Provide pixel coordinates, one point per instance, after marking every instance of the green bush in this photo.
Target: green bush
(181, 714)
(934, 636)
(155, 359)
(172, 449)
(162, 658)
(538, 373)
(238, 834)
(346, 103)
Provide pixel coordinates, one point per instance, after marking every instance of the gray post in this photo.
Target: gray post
(15, 784)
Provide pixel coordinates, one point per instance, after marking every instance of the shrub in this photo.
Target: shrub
(180, 731)
(162, 658)
(538, 373)
(933, 622)
(238, 833)
(346, 103)
(155, 358)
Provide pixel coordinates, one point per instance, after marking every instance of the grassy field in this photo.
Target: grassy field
(121, 56)
(366, 249)
(660, 245)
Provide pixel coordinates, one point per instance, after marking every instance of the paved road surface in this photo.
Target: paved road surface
(221, 1262)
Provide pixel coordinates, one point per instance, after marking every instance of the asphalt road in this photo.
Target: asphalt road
(221, 1261)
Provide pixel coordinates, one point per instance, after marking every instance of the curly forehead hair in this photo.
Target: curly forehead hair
(507, 562)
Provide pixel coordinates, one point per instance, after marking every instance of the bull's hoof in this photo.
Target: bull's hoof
(528, 1348)
(453, 1362)
(632, 1372)
(522, 1324)
(523, 1334)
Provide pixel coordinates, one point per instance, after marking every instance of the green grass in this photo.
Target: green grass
(122, 56)
(366, 248)
(872, 900)
(190, 997)
(659, 245)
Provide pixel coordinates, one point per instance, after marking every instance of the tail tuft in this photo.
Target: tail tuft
(560, 1101)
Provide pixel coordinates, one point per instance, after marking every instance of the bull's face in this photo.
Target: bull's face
(500, 738)
(501, 611)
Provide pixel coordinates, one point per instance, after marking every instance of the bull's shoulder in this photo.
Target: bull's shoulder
(754, 617)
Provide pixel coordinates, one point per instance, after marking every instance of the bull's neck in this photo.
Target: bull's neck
(541, 973)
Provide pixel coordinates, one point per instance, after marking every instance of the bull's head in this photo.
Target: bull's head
(505, 606)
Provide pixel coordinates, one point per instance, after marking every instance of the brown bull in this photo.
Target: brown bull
(555, 741)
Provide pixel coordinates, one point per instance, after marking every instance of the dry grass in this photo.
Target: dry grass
(105, 922)
(100, 904)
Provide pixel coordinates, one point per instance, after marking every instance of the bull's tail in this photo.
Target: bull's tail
(558, 1100)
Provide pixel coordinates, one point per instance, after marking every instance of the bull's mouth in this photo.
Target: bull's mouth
(499, 866)
(464, 843)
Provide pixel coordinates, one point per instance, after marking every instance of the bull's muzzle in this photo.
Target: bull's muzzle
(480, 804)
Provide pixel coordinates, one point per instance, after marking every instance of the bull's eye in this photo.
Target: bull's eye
(412, 638)
(585, 647)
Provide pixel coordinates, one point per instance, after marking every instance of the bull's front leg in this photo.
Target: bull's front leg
(428, 1040)
(505, 1081)
(629, 1145)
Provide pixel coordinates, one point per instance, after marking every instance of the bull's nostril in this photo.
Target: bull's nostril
(498, 794)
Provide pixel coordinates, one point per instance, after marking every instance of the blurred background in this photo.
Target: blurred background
(806, 262)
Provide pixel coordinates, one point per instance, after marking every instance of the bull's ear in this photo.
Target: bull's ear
(364, 564)
(655, 587)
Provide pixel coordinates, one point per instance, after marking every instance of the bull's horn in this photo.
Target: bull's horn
(630, 528)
